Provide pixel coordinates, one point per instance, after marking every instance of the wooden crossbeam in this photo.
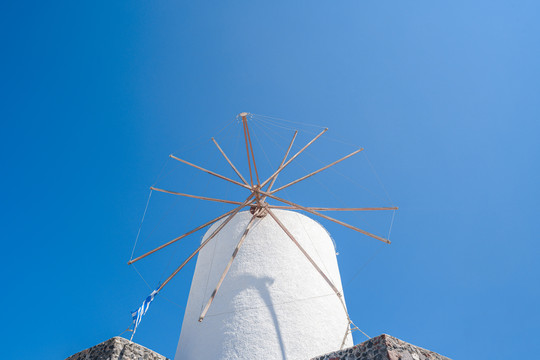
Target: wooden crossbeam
(229, 161)
(243, 115)
(283, 161)
(233, 256)
(292, 158)
(211, 172)
(316, 172)
(195, 196)
(335, 209)
(251, 148)
(203, 244)
(300, 207)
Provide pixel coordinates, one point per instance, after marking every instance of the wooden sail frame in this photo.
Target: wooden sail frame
(260, 208)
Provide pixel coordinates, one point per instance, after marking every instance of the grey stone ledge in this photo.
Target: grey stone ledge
(383, 347)
(117, 348)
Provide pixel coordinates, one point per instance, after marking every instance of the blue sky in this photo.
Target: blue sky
(442, 95)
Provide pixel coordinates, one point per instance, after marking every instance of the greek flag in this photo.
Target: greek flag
(137, 315)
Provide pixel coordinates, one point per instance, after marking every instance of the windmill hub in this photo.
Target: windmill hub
(259, 208)
(258, 211)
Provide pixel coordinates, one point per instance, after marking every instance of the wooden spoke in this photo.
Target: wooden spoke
(229, 161)
(195, 196)
(316, 172)
(303, 252)
(300, 207)
(247, 146)
(210, 172)
(335, 209)
(251, 147)
(282, 161)
(235, 252)
(280, 165)
(182, 236)
(221, 226)
(291, 159)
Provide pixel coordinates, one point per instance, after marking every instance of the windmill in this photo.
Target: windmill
(262, 219)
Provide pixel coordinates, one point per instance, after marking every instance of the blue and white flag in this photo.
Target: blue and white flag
(137, 315)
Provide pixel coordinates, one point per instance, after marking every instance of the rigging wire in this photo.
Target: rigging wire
(175, 251)
(149, 287)
(329, 137)
(289, 121)
(140, 225)
(197, 142)
(379, 179)
(270, 306)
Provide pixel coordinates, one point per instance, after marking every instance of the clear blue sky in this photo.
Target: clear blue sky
(444, 96)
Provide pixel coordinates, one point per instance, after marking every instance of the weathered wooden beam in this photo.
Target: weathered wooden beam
(282, 161)
(317, 171)
(229, 161)
(210, 172)
(284, 228)
(235, 252)
(291, 159)
(335, 209)
(195, 196)
(300, 207)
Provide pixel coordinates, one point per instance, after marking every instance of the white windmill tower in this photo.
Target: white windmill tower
(278, 292)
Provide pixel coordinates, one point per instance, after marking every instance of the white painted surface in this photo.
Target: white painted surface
(273, 304)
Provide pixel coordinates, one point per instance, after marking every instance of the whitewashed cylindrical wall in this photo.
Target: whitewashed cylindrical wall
(273, 304)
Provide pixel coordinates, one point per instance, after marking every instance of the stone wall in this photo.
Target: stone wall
(117, 348)
(383, 347)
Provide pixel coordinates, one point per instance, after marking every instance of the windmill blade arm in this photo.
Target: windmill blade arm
(203, 244)
(319, 270)
(335, 209)
(300, 207)
(183, 236)
(210, 172)
(229, 161)
(291, 159)
(235, 252)
(196, 196)
(316, 172)
(282, 161)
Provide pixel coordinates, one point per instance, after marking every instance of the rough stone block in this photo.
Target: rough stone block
(117, 348)
(383, 347)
